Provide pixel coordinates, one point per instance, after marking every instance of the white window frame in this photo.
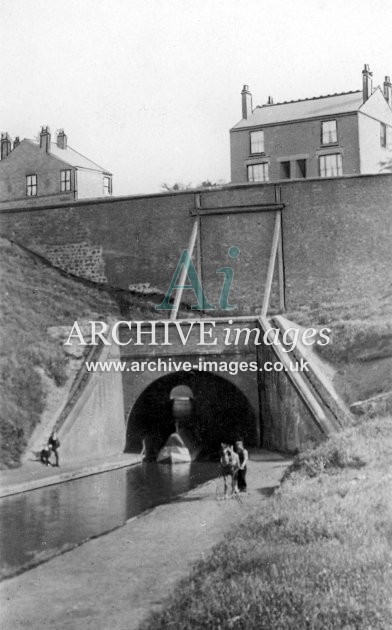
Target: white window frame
(256, 139)
(31, 185)
(65, 180)
(258, 172)
(389, 137)
(331, 165)
(329, 134)
(383, 135)
(107, 186)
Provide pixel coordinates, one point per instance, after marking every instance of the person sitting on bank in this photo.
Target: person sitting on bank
(243, 457)
(54, 443)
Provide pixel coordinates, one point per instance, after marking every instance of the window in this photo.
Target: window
(389, 137)
(301, 168)
(65, 181)
(331, 165)
(285, 170)
(383, 135)
(258, 172)
(329, 132)
(107, 186)
(257, 141)
(31, 185)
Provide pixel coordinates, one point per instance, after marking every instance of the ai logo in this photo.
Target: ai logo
(185, 263)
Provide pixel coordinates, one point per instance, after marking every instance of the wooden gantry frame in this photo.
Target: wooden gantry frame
(276, 248)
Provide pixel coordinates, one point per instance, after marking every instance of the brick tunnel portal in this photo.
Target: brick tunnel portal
(220, 412)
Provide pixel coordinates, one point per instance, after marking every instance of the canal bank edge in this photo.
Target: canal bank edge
(34, 475)
(116, 580)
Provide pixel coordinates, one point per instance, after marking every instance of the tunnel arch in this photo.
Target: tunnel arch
(221, 412)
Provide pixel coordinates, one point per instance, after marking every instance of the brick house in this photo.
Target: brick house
(324, 136)
(36, 172)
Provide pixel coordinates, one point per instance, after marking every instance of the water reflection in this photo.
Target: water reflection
(36, 525)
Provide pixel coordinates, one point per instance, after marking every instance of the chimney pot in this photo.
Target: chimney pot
(61, 140)
(367, 82)
(5, 145)
(270, 101)
(388, 90)
(246, 97)
(16, 142)
(44, 138)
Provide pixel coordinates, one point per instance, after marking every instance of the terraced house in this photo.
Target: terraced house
(36, 172)
(324, 136)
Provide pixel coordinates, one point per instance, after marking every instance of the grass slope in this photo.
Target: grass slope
(36, 296)
(317, 555)
(361, 343)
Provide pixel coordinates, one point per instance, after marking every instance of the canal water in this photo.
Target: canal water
(36, 525)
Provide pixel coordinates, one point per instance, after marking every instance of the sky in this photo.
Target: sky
(150, 88)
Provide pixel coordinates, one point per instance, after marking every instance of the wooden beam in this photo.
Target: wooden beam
(298, 379)
(199, 266)
(282, 297)
(197, 202)
(235, 209)
(271, 266)
(184, 272)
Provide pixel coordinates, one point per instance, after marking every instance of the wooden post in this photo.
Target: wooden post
(271, 266)
(282, 300)
(191, 246)
(199, 266)
(197, 201)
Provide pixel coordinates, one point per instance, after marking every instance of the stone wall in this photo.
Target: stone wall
(94, 427)
(80, 259)
(286, 423)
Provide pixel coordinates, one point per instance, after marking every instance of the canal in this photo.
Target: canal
(39, 524)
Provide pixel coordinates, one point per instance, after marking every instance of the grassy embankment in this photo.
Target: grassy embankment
(36, 296)
(361, 344)
(317, 555)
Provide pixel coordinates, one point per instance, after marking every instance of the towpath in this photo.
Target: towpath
(116, 580)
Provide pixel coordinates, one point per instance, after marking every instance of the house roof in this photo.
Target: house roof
(73, 158)
(315, 107)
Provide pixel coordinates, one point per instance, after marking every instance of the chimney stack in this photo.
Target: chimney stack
(246, 102)
(61, 139)
(5, 145)
(388, 91)
(44, 139)
(16, 142)
(367, 82)
(270, 101)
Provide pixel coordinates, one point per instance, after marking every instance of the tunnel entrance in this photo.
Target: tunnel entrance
(220, 412)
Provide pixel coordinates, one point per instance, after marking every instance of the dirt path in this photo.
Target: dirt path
(114, 581)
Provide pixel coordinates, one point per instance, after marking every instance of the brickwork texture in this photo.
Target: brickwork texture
(336, 239)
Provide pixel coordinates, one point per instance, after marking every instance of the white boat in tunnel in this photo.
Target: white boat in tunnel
(174, 451)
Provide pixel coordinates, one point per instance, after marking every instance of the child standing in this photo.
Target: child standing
(243, 457)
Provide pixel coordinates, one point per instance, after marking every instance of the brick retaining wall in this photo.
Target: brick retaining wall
(336, 236)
